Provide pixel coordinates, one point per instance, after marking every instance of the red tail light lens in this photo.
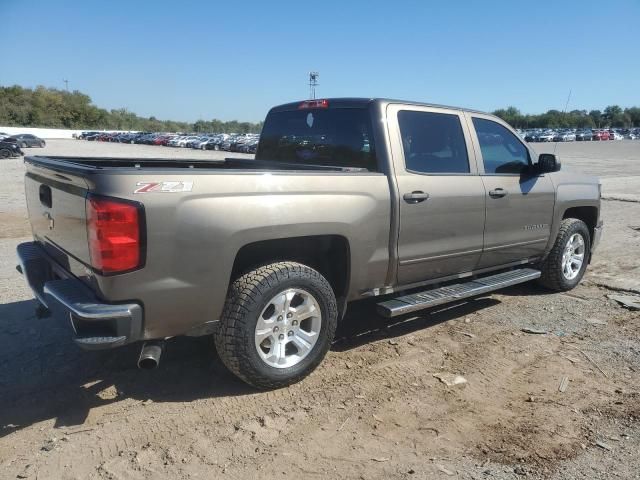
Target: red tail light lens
(313, 104)
(114, 233)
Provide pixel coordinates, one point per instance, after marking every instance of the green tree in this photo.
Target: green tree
(596, 116)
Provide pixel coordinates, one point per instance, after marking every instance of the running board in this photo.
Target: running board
(438, 296)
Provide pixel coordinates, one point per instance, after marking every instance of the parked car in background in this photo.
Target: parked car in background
(547, 136)
(615, 136)
(25, 140)
(584, 136)
(9, 149)
(215, 143)
(564, 136)
(195, 142)
(600, 135)
(165, 140)
(85, 135)
(250, 146)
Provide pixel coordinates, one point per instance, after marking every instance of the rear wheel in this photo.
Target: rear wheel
(278, 324)
(23, 145)
(5, 153)
(565, 265)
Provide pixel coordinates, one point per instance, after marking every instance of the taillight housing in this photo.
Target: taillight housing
(115, 231)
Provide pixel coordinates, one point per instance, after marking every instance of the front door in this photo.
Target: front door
(519, 202)
(442, 198)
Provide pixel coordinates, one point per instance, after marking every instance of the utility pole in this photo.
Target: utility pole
(313, 83)
(66, 84)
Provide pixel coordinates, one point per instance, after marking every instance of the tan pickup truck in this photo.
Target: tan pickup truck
(346, 199)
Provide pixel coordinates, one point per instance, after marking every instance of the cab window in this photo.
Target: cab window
(502, 151)
(433, 142)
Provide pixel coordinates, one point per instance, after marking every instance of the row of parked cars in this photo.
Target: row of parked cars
(572, 135)
(12, 145)
(242, 142)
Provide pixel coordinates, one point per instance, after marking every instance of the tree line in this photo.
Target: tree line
(612, 116)
(52, 108)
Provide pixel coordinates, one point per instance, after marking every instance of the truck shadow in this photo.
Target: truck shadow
(363, 325)
(45, 376)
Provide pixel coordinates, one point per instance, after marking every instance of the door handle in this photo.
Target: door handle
(497, 193)
(415, 197)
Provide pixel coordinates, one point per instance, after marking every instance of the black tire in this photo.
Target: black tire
(552, 270)
(42, 144)
(248, 296)
(23, 145)
(216, 148)
(5, 153)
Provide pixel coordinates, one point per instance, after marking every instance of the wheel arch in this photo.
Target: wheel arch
(328, 254)
(588, 214)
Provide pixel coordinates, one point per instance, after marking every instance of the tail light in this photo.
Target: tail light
(114, 231)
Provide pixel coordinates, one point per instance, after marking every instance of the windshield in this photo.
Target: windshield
(339, 137)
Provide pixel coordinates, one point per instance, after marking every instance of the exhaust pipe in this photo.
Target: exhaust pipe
(150, 355)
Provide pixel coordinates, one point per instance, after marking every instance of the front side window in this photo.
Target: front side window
(502, 152)
(433, 142)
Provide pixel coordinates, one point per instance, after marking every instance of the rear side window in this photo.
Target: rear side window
(339, 137)
(502, 152)
(433, 142)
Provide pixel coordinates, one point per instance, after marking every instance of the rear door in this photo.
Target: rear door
(519, 203)
(442, 198)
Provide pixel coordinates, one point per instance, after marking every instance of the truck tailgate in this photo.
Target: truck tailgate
(57, 213)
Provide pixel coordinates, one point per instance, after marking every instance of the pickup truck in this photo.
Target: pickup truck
(346, 199)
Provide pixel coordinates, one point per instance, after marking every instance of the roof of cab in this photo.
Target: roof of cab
(357, 102)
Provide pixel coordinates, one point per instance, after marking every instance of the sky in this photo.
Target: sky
(234, 60)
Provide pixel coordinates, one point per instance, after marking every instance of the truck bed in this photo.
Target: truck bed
(105, 163)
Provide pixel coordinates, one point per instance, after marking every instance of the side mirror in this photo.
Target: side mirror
(548, 163)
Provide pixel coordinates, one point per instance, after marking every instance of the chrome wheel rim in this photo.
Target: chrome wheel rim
(288, 328)
(573, 256)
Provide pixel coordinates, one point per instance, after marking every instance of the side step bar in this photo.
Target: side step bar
(438, 296)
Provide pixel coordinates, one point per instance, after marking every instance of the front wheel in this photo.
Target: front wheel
(277, 325)
(565, 265)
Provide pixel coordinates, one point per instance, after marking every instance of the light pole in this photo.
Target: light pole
(313, 83)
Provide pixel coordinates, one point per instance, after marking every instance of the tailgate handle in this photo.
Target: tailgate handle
(45, 195)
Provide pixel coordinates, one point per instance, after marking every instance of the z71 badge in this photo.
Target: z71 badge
(163, 187)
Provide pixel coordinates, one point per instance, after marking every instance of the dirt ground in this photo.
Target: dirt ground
(374, 408)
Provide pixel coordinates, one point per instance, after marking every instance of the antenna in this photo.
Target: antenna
(313, 83)
(563, 113)
(66, 84)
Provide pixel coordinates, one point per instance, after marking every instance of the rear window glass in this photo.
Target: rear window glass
(339, 137)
